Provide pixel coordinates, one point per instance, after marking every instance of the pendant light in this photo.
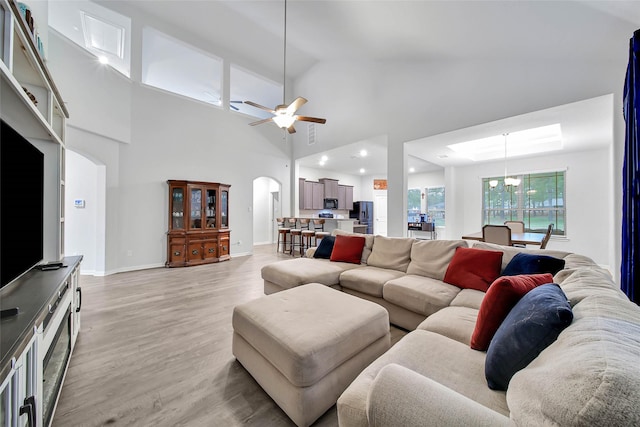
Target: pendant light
(508, 181)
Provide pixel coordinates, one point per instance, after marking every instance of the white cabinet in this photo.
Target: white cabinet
(21, 388)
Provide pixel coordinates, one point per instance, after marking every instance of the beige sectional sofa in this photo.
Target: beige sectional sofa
(589, 376)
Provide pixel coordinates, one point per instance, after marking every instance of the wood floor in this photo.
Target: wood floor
(155, 350)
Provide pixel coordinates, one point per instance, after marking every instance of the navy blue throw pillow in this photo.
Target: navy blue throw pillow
(533, 264)
(325, 247)
(531, 325)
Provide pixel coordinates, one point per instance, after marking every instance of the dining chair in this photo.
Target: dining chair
(498, 234)
(547, 236)
(515, 226)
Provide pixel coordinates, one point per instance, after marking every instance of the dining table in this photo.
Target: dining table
(516, 238)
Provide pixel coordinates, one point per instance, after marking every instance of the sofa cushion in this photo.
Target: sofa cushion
(299, 271)
(430, 258)
(589, 376)
(368, 280)
(368, 242)
(419, 294)
(445, 361)
(503, 294)
(523, 263)
(324, 248)
(533, 323)
(347, 249)
(456, 323)
(468, 298)
(391, 252)
(473, 268)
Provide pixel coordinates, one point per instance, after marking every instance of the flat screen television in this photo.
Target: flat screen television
(21, 205)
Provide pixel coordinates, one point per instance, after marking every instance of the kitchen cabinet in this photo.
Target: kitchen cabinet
(311, 194)
(330, 188)
(198, 223)
(345, 197)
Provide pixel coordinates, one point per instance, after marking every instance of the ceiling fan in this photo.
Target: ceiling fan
(284, 116)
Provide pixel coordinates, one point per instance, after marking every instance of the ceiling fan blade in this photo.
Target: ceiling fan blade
(262, 107)
(297, 103)
(291, 129)
(259, 122)
(233, 107)
(311, 119)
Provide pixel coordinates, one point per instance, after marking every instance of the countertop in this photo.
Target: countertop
(31, 293)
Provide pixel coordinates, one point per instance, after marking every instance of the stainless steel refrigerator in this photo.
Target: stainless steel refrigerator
(363, 212)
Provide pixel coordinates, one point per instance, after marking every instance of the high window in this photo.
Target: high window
(538, 201)
(248, 86)
(177, 67)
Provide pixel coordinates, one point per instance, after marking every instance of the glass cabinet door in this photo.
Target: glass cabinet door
(177, 208)
(224, 208)
(196, 208)
(211, 208)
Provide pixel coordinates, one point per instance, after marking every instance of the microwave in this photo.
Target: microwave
(331, 203)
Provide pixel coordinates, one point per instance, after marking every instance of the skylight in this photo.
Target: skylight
(530, 141)
(101, 36)
(102, 32)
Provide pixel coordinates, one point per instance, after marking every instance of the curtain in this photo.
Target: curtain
(629, 276)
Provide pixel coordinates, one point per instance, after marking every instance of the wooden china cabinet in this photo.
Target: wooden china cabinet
(198, 223)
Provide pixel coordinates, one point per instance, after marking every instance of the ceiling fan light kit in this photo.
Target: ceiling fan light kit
(284, 116)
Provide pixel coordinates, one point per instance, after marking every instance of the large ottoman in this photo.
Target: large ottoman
(305, 345)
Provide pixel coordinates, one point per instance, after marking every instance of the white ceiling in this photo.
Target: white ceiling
(402, 31)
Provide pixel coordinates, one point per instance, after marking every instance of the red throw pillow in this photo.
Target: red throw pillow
(347, 249)
(502, 296)
(473, 268)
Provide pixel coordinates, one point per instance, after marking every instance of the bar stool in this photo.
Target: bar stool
(283, 231)
(307, 234)
(296, 236)
(318, 227)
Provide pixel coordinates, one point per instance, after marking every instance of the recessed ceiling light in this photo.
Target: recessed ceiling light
(442, 156)
(321, 163)
(412, 170)
(362, 170)
(363, 153)
(103, 59)
(324, 158)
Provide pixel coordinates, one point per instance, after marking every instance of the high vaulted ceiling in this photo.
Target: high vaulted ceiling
(397, 31)
(324, 30)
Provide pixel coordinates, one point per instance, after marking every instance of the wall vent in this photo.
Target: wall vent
(312, 134)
